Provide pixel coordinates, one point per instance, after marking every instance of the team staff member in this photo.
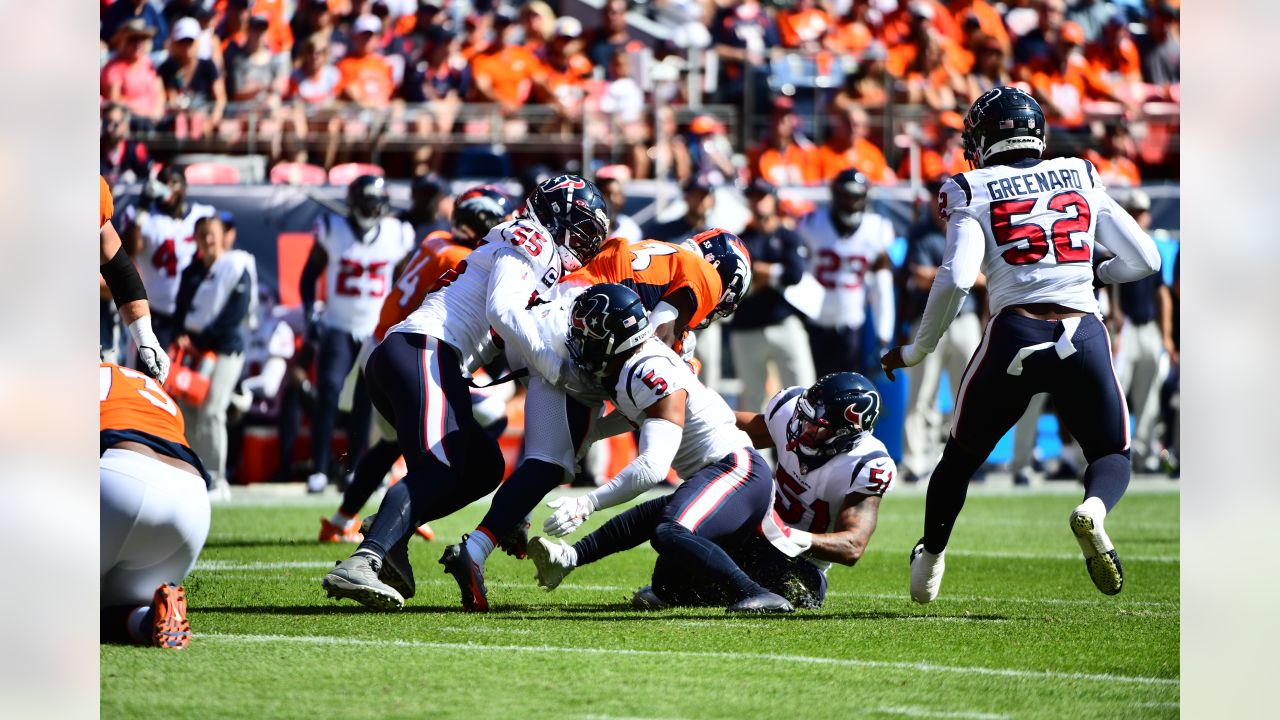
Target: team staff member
(125, 285)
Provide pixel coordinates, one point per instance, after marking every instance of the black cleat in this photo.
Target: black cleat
(765, 602)
(469, 576)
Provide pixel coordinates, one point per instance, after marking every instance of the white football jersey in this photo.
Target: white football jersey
(456, 313)
(840, 263)
(710, 430)
(360, 270)
(168, 246)
(1039, 218)
(811, 501)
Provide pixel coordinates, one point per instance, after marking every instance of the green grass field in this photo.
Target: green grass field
(1019, 631)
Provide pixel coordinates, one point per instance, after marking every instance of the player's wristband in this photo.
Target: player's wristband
(123, 279)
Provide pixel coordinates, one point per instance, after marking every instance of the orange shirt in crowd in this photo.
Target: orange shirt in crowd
(130, 400)
(1120, 171)
(1123, 60)
(279, 34)
(851, 37)
(795, 165)
(568, 85)
(436, 255)
(798, 27)
(897, 24)
(511, 70)
(656, 271)
(106, 205)
(863, 154)
(956, 57)
(989, 20)
(935, 165)
(367, 79)
(1068, 89)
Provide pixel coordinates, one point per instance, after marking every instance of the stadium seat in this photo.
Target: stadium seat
(343, 174)
(296, 173)
(209, 173)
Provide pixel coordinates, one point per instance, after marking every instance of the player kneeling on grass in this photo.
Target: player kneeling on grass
(155, 511)
(727, 489)
(827, 460)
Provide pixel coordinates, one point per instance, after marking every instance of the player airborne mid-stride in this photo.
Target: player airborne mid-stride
(1030, 225)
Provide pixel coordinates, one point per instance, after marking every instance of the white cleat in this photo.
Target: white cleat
(552, 561)
(1100, 557)
(317, 482)
(926, 573)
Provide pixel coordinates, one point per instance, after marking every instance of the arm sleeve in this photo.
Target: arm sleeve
(615, 423)
(1135, 252)
(956, 275)
(659, 440)
(882, 303)
(663, 313)
(510, 284)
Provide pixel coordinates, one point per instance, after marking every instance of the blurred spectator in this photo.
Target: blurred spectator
(427, 193)
(366, 74)
(934, 70)
(942, 155)
(665, 156)
(539, 22)
(235, 23)
(804, 26)
(504, 72)
(1114, 56)
(849, 147)
(623, 99)
(988, 18)
(926, 249)
(134, 13)
(1114, 158)
(476, 37)
(611, 37)
(921, 38)
(413, 33)
(313, 17)
(899, 24)
(990, 68)
(1038, 43)
(765, 328)
(848, 256)
(121, 159)
(1144, 307)
(176, 9)
(853, 32)
(316, 81)
(435, 77)
(130, 78)
(1090, 15)
(193, 85)
(621, 224)
(279, 35)
(215, 302)
(1161, 50)
(785, 156)
(710, 152)
(565, 73)
(254, 73)
(1063, 81)
(868, 86)
(743, 33)
(698, 200)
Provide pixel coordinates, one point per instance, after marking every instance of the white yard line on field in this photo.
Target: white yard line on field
(920, 712)
(923, 667)
(1002, 554)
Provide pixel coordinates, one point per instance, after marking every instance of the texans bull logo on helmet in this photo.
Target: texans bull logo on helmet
(589, 315)
(862, 412)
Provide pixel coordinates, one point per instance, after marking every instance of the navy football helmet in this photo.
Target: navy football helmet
(606, 321)
(572, 209)
(1004, 119)
(849, 197)
(368, 202)
(831, 417)
(477, 211)
(729, 256)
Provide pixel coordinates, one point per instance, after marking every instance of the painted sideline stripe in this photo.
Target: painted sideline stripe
(752, 657)
(919, 712)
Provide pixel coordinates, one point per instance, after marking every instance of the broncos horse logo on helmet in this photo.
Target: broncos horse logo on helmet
(1004, 119)
(573, 211)
(729, 256)
(831, 417)
(606, 321)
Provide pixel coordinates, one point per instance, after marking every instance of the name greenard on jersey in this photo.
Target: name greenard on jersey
(1034, 182)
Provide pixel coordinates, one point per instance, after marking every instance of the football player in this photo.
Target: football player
(683, 425)
(831, 474)
(418, 376)
(358, 254)
(1030, 225)
(154, 510)
(130, 295)
(475, 213)
(160, 235)
(681, 287)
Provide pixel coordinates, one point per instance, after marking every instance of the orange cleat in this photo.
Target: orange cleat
(169, 626)
(426, 532)
(330, 533)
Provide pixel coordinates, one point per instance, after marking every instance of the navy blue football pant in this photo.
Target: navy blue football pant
(334, 358)
(416, 382)
(1020, 357)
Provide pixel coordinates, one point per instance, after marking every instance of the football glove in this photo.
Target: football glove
(570, 513)
(154, 359)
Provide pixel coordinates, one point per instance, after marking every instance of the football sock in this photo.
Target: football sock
(409, 503)
(948, 487)
(1107, 477)
(479, 544)
(342, 520)
(520, 494)
(622, 532)
(370, 471)
(676, 539)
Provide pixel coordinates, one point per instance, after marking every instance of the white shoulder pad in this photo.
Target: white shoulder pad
(649, 377)
(955, 195)
(873, 474)
(530, 238)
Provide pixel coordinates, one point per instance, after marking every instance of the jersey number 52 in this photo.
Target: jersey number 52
(1008, 231)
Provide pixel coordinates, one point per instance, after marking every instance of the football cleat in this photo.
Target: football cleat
(425, 532)
(646, 599)
(356, 578)
(169, 625)
(330, 533)
(396, 570)
(516, 542)
(926, 573)
(551, 561)
(1100, 557)
(469, 576)
(765, 602)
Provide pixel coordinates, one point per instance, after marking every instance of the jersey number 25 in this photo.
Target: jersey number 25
(1007, 231)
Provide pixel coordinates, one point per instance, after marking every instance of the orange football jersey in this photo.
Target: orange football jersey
(656, 270)
(130, 400)
(106, 206)
(436, 255)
